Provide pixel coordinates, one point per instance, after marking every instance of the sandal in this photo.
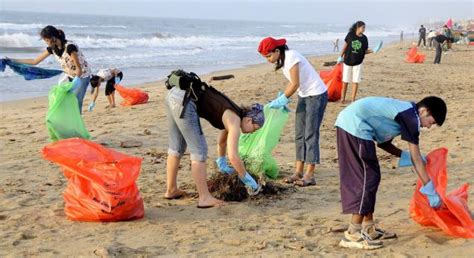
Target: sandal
(376, 233)
(306, 182)
(293, 178)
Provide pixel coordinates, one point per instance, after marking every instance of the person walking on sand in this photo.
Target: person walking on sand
(312, 101)
(336, 45)
(355, 48)
(439, 41)
(185, 104)
(69, 56)
(422, 36)
(358, 126)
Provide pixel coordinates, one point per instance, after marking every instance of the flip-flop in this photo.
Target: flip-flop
(291, 179)
(176, 197)
(306, 182)
(210, 206)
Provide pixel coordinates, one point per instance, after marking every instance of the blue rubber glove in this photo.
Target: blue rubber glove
(433, 197)
(340, 59)
(117, 80)
(76, 82)
(378, 47)
(279, 102)
(223, 165)
(252, 187)
(405, 159)
(91, 106)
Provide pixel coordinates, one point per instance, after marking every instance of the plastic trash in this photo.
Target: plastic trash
(131, 96)
(414, 57)
(454, 217)
(63, 118)
(333, 80)
(101, 182)
(256, 149)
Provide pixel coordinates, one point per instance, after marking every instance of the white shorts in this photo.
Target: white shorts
(352, 73)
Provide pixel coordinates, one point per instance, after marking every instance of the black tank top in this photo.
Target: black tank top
(212, 104)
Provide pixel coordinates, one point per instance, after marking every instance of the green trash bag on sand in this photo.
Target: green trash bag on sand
(256, 149)
(63, 119)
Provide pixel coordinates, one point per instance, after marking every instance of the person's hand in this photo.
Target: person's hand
(117, 80)
(76, 82)
(378, 47)
(339, 59)
(91, 106)
(253, 188)
(433, 197)
(405, 159)
(279, 102)
(223, 166)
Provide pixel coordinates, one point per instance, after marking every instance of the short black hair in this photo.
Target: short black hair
(436, 107)
(95, 80)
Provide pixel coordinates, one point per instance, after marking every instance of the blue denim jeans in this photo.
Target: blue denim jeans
(184, 132)
(81, 91)
(309, 116)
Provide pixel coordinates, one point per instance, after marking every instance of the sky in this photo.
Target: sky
(403, 12)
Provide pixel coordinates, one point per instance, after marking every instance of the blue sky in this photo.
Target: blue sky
(335, 11)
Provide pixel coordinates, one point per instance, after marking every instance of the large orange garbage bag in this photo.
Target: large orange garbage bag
(101, 182)
(131, 96)
(333, 80)
(454, 216)
(414, 57)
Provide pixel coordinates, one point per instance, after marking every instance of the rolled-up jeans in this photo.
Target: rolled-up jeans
(81, 91)
(186, 131)
(309, 116)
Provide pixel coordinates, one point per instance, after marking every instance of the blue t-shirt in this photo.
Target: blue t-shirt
(381, 119)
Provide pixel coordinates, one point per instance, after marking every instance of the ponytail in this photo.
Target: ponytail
(50, 32)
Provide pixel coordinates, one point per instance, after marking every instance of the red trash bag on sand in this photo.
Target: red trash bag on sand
(333, 80)
(131, 96)
(454, 216)
(101, 182)
(414, 57)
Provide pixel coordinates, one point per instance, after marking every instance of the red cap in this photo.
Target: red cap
(269, 44)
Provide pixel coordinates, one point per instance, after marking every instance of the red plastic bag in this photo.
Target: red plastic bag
(333, 80)
(101, 182)
(454, 216)
(131, 96)
(414, 57)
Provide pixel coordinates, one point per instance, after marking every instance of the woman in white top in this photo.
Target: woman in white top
(110, 76)
(312, 101)
(68, 55)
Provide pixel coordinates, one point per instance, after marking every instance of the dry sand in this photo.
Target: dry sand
(307, 222)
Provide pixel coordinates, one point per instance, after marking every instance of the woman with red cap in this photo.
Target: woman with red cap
(312, 100)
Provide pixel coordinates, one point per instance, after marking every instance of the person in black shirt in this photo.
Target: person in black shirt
(353, 53)
(422, 33)
(439, 41)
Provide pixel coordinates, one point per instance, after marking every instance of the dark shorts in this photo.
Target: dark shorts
(110, 86)
(359, 173)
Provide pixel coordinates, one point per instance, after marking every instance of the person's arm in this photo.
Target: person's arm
(75, 59)
(294, 83)
(418, 163)
(232, 124)
(35, 61)
(343, 49)
(95, 94)
(221, 143)
(390, 148)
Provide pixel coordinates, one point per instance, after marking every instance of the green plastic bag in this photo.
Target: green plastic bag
(256, 149)
(63, 119)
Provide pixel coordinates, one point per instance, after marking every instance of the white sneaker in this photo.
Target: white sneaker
(359, 241)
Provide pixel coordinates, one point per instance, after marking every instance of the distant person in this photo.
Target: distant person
(110, 76)
(422, 36)
(355, 48)
(336, 45)
(401, 37)
(439, 41)
(68, 55)
(431, 36)
(449, 34)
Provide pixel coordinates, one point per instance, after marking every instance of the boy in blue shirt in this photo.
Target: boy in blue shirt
(358, 126)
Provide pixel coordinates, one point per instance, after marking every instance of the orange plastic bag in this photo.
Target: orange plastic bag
(131, 96)
(454, 216)
(333, 80)
(101, 182)
(414, 57)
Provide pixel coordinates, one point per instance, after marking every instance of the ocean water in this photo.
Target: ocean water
(147, 49)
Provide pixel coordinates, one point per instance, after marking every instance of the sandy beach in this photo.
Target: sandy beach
(304, 222)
